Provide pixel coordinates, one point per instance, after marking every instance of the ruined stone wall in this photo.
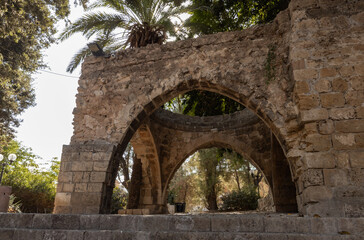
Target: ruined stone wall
(313, 104)
(327, 61)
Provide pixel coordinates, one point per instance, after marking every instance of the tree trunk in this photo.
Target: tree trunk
(211, 200)
(135, 184)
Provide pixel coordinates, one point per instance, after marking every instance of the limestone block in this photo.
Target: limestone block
(323, 85)
(314, 115)
(81, 166)
(302, 87)
(308, 101)
(326, 127)
(329, 100)
(68, 222)
(305, 74)
(81, 187)
(336, 177)
(344, 141)
(96, 177)
(360, 112)
(357, 159)
(279, 225)
(323, 225)
(319, 160)
(327, 72)
(339, 85)
(350, 126)
(94, 187)
(62, 199)
(225, 224)
(101, 166)
(342, 160)
(313, 177)
(89, 222)
(316, 194)
(341, 113)
(318, 142)
(68, 187)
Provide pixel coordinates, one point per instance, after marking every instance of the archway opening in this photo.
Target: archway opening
(158, 143)
(218, 179)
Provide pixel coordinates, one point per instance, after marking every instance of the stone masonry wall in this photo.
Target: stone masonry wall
(313, 105)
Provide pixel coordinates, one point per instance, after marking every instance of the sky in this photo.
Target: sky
(48, 125)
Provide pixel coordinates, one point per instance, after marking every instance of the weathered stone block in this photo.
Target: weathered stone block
(302, 87)
(62, 199)
(225, 224)
(317, 142)
(90, 222)
(308, 101)
(357, 159)
(342, 160)
(101, 166)
(251, 224)
(312, 177)
(65, 221)
(305, 74)
(326, 127)
(314, 115)
(279, 225)
(329, 100)
(319, 160)
(323, 225)
(339, 85)
(94, 187)
(350, 126)
(316, 194)
(360, 112)
(323, 85)
(344, 141)
(82, 166)
(336, 177)
(328, 72)
(341, 113)
(81, 187)
(98, 177)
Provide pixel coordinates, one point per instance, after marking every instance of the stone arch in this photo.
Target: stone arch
(146, 150)
(242, 132)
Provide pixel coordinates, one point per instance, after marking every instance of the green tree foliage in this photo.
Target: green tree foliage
(26, 27)
(212, 16)
(204, 103)
(119, 200)
(128, 22)
(241, 200)
(34, 187)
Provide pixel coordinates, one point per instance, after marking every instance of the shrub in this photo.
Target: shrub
(243, 200)
(119, 200)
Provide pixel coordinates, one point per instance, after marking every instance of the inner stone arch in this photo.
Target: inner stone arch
(242, 132)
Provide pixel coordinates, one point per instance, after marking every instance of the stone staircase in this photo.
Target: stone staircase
(178, 227)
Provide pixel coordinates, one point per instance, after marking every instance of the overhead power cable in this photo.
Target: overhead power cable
(59, 74)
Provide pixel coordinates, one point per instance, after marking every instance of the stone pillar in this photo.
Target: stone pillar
(283, 188)
(84, 178)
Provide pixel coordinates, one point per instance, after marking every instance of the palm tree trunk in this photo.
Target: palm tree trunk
(135, 184)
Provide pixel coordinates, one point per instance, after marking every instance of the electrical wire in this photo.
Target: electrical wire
(59, 74)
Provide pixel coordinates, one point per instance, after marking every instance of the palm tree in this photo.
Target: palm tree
(125, 23)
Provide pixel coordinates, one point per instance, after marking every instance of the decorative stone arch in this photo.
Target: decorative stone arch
(242, 132)
(314, 106)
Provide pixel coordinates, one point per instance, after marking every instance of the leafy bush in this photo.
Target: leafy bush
(33, 186)
(243, 200)
(119, 200)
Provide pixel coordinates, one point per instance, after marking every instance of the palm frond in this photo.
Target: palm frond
(91, 23)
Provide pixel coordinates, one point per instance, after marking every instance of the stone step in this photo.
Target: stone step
(203, 226)
(48, 234)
